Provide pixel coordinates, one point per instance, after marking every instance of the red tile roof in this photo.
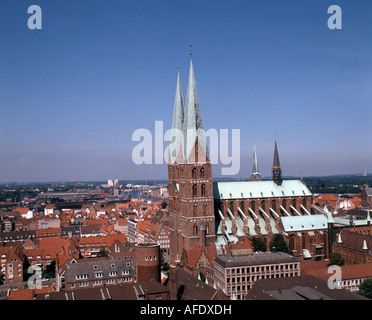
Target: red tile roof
(320, 269)
(21, 294)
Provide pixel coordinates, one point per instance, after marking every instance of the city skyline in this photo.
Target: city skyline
(73, 93)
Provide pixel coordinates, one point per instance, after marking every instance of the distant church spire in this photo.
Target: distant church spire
(255, 175)
(277, 171)
(193, 127)
(176, 142)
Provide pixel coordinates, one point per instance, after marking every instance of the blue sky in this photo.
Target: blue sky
(73, 93)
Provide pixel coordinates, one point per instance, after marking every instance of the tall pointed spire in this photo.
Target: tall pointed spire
(193, 128)
(255, 175)
(276, 162)
(176, 141)
(277, 171)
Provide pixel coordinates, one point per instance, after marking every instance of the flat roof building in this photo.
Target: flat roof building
(236, 274)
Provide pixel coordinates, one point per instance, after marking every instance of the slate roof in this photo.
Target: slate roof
(298, 288)
(352, 271)
(191, 288)
(128, 291)
(261, 258)
(91, 267)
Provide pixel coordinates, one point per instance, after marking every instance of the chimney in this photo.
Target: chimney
(173, 282)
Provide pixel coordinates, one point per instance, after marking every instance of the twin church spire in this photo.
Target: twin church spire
(188, 140)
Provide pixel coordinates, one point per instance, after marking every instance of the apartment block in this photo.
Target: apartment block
(235, 274)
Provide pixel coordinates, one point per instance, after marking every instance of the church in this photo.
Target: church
(222, 215)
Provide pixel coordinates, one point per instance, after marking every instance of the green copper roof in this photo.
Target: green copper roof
(304, 223)
(259, 189)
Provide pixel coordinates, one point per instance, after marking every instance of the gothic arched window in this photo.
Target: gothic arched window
(202, 173)
(203, 189)
(242, 206)
(195, 210)
(294, 203)
(195, 229)
(194, 173)
(303, 241)
(253, 206)
(194, 190)
(273, 205)
(232, 207)
(292, 242)
(284, 204)
(263, 205)
(304, 203)
(204, 209)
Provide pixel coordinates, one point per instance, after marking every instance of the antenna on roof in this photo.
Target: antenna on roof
(190, 50)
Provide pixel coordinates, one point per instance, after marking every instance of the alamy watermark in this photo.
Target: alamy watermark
(222, 149)
(334, 281)
(34, 281)
(34, 21)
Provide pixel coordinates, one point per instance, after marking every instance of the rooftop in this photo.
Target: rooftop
(302, 223)
(259, 189)
(257, 258)
(298, 288)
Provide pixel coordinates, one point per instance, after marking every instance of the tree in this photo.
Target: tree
(164, 204)
(278, 244)
(365, 288)
(336, 259)
(49, 271)
(259, 245)
(26, 265)
(102, 253)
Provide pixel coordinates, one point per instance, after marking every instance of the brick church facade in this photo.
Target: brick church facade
(223, 214)
(191, 209)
